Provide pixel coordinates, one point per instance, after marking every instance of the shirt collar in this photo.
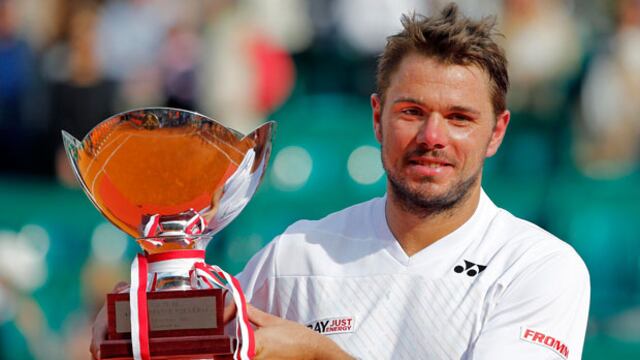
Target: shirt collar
(454, 242)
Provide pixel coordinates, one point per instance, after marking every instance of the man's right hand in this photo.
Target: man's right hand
(99, 331)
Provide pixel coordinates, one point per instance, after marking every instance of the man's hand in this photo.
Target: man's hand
(277, 338)
(99, 331)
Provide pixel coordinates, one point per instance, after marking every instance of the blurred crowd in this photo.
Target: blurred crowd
(68, 64)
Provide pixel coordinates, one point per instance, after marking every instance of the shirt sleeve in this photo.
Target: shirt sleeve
(541, 314)
(258, 277)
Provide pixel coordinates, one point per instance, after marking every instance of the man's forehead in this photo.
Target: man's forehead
(439, 71)
(421, 78)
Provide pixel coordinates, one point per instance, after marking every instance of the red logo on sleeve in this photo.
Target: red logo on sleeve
(547, 341)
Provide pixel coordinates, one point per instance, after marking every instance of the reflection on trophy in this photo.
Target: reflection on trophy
(172, 179)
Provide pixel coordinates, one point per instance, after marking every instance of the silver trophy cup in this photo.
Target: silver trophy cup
(169, 178)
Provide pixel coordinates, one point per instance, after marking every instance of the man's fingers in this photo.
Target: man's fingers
(120, 287)
(261, 318)
(99, 331)
(229, 313)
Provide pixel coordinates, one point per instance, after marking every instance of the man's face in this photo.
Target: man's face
(436, 128)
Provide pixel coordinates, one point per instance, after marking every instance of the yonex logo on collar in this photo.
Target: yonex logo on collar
(470, 268)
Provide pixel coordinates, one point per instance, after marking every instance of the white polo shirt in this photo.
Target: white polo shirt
(498, 287)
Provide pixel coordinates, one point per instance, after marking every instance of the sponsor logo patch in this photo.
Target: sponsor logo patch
(469, 268)
(545, 340)
(335, 325)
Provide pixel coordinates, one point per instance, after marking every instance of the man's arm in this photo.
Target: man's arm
(278, 338)
(541, 314)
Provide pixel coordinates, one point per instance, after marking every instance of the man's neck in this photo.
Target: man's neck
(415, 233)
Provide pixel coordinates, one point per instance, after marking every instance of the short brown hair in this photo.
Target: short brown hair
(451, 38)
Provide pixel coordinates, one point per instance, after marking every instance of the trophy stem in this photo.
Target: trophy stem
(170, 283)
(171, 270)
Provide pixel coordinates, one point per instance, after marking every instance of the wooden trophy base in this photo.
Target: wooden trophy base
(182, 325)
(218, 347)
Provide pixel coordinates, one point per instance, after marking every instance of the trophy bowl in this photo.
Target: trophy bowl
(171, 179)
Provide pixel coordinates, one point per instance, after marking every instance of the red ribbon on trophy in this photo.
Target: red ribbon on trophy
(202, 276)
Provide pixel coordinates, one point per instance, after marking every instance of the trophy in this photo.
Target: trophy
(172, 179)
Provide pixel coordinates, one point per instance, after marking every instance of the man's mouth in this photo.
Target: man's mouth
(428, 166)
(428, 162)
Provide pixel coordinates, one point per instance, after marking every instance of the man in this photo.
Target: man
(433, 269)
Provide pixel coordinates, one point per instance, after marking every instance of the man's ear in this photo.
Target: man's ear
(376, 109)
(499, 130)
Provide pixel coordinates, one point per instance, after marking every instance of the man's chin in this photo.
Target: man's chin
(427, 188)
(416, 196)
(429, 200)
(425, 198)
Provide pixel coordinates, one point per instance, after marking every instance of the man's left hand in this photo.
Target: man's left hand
(278, 338)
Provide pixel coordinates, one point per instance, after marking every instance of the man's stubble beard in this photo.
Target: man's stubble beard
(413, 201)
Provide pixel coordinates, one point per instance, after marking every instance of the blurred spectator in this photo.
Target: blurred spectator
(608, 135)
(286, 22)
(544, 46)
(129, 38)
(477, 9)
(245, 74)
(544, 49)
(80, 95)
(367, 31)
(20, 123)
(178, 59)
(15, 61)
(38, 21)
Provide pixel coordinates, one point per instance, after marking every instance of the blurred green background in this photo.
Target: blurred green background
(569, 162)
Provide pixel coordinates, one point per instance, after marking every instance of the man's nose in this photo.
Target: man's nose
(433, 132)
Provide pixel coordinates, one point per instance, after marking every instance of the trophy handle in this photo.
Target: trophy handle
(241, 186)
(72, 147)
(265, 129)
(71, 144)
(261, 138)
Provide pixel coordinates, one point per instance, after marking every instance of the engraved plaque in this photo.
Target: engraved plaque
(172, 314)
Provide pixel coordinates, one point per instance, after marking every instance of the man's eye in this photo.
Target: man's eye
(459, 117)
(412, 111)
